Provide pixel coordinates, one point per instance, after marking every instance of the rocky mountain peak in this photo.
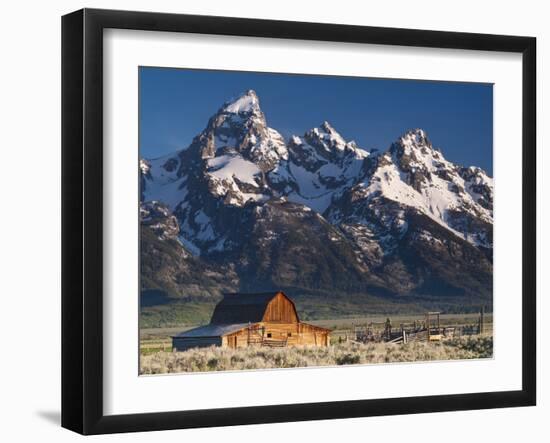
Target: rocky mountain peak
(416, 138)
(413, 143)
(414, 155)
(246, 103)
(414, 175)
(325, 138)
(327, 128)
(240, 128)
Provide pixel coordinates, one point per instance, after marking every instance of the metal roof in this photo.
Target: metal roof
(211, 330)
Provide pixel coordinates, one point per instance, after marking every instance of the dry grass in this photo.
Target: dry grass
(222, 359)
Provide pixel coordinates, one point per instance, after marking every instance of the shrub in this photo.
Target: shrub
(348, 359)
(220, 359)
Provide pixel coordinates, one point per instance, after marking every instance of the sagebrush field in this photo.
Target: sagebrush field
(222, 359)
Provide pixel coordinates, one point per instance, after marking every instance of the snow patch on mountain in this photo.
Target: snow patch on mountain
(162, 182)
(319, 167)
(269, 149)
(228, 167)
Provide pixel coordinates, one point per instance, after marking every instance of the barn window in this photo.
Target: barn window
(269, 335)
(290, 334)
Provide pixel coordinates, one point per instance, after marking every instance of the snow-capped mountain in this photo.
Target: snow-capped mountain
(413, 174)
(319, 212)
(319, 167)
(233, 151)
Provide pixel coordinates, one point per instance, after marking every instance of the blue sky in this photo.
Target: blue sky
(175, 105)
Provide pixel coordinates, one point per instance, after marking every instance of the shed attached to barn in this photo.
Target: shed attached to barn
(241, 320)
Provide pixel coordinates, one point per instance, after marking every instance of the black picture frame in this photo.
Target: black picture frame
(82, 216)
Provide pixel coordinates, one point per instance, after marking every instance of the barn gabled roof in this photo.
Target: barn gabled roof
(243, 307)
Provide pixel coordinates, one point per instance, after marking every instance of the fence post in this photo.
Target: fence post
(482, 321)
(387, 329)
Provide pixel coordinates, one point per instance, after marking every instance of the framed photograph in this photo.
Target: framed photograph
(269, 221)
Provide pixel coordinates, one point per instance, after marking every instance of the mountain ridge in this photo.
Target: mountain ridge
(318, 212)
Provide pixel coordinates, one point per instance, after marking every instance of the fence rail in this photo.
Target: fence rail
(428, 329)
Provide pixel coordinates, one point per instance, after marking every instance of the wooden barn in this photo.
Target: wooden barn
(241, 320)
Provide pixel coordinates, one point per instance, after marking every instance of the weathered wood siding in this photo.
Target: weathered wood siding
(236, 340)
(312, 335)
(280, 309)
(185, 343)
(293, 333)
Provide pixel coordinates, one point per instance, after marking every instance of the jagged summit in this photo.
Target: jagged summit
(329, 143)
(240, 128)
(246, 103)
(326, 126)
(416, 139)
(320, 165)
(325, 137)
(328, 129)
(417, 136)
